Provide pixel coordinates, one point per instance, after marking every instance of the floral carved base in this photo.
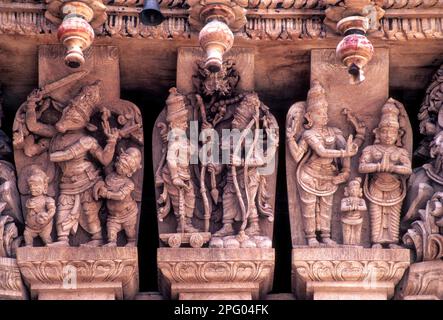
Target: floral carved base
(11, 284)
(215, 274)
(424, 281)
(80, 273)
(347, 273)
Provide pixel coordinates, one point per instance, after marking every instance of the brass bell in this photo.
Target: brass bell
(151, 14)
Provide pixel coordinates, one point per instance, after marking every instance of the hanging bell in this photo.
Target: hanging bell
(151, 14)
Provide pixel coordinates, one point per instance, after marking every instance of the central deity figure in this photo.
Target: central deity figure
(317, 152)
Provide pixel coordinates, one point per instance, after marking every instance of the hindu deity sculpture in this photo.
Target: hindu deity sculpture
(224, 197)
(174, 171)
(323, 158)
(387, 166)
(117, 189)
(74, 142)
(40, 209)
(352, 207)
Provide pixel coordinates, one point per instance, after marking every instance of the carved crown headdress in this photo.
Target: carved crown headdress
(176, 107)
(389, 115)
(316, 97)
(85, 102)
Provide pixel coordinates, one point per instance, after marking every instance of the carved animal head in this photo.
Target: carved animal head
(220, 84)
(77, 113)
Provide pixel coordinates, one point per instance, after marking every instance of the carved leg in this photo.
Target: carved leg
(308, 204)
(45, 235)
(325, 215)
(130, 231)
(90, 211)
(29, 237)
(68, 212)
(112, 228)
(230, 208)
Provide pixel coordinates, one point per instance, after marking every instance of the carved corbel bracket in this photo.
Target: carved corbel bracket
(75, 21)
(79, 273)
(347, 272)
(215, 274)
(11, 285)
(216, 21)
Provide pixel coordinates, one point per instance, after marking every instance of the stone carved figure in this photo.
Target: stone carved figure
(317, 149)
(117, 189)
(352, 207)
(387, 166)
(74, 143)
(174, 171)
(40, 209)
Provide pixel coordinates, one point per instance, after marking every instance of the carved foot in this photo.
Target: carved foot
(188, 227)
(61, 243)
(111, 244)
(130, 244)
(253, 229)
(312, 242)
(329, 242)
(93, 243)
(377, 246)
(226, 230)
(395, 246)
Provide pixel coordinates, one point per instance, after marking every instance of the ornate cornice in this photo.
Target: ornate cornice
(404, 20)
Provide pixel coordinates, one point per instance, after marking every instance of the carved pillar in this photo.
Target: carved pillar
(231, 255)
(324, 213)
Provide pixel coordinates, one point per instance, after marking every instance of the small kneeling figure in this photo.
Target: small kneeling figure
(40, 209)
(117, 189)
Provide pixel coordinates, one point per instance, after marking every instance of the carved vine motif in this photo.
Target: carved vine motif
(353, 270)
(10, 278)
(201, 272)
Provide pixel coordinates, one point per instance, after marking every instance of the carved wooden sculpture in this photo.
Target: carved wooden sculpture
(117, 189)
(233, 193)
(40, 209)
(73, 142)
(352, 208)
(316, 147)
(387, 165)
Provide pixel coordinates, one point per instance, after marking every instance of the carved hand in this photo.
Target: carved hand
(42, 217)
(179, 183)
(351, 147)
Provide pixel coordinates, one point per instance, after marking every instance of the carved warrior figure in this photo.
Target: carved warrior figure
(48, 134)
(317, 150)
(117, 189)
(352, 208)
(386, 165)
(174, 171)
(40, 209)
